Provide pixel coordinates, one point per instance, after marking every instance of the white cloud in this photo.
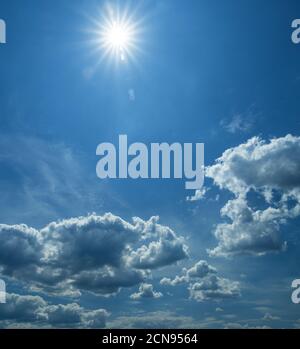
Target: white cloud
(166, 251)
(214, 288)
(204, 284)
(174, 282)
(146, 291)
(199, 195)
(200, 270)
(266, 169)
(250, 232)
(257, 164)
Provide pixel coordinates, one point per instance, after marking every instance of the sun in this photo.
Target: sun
(117, 36)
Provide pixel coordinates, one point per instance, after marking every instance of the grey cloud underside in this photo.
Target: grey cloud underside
(94, 253)
(272, 172)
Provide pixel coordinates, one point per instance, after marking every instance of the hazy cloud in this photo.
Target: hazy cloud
(34, 310)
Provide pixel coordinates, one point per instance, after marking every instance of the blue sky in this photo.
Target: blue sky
(215, 72)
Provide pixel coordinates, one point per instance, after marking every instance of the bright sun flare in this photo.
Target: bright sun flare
(118, 37)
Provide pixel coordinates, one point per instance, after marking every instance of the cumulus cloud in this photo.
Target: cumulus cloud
(214, 288)
(199, 195)
(174, 282)
(94, 253)
(199, 270)
(20, 247)
(258, 164)
(204, 284)
(146, 291)
(34, 310)
(250, 232)
(72, 314)
(271, 170)
(168, 249)
(23, 308)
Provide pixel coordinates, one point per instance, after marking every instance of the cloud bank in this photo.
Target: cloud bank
(30, 311)
(100, 254)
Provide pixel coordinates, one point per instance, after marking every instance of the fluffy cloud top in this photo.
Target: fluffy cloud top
(258, 164)
(250, 232)
(199, 270)
(146, 291)
(270, 170)
(214, 288)
(167, 250)
(204, 284)
(20, 247)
